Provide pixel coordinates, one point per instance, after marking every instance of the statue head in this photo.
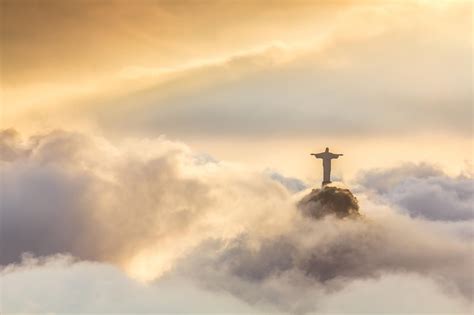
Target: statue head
(327, 149)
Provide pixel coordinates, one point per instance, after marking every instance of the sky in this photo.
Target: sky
(157, 149)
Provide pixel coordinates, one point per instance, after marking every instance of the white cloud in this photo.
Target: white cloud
(422, 190)
(140, 206)
(154, 208)
(59, 285)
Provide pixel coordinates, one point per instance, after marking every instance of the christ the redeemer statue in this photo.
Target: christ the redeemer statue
(327, 157)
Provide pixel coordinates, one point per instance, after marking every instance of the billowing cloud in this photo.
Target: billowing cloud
(291, 183)
(61, 284)
(147, 203)
(58, 284)
(323, 256)
(153, 207)
(423, 190)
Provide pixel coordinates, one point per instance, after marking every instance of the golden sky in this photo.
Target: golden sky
(255, 72)
(78, 39)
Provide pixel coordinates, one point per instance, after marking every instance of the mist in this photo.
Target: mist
(153, 207)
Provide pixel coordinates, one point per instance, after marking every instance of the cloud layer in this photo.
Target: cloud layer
(382, 68)
(422, 190)
(149, 202)
(153, 207)
(380, 81)
(58, 284)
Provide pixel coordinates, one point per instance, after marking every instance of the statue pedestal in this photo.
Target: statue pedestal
(326, 182)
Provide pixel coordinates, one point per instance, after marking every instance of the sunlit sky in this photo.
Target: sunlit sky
(265, 84)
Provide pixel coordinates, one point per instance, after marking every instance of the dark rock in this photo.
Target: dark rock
(329, 200)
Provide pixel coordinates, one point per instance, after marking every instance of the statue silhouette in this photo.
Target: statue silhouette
(326, 156)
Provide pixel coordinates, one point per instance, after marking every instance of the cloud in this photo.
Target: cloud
(165, 33)
(322, 257)
(146, 203)
(276, 75)
(155, 208)
(9, 145)
(291, 183)
(288, 92)
(58, 284)
(423, 190)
